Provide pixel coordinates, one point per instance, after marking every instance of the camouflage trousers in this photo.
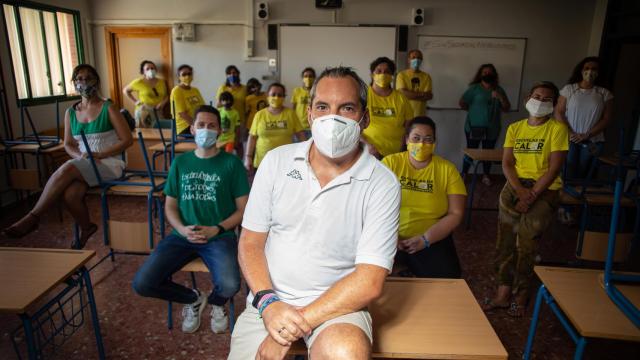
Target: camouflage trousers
(519, 233)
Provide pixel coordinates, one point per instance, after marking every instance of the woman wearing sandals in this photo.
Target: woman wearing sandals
(534, 151)
(108, 136)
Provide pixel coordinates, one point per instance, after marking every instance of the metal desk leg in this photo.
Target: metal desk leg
(534, 324)
(94, 313)
(474, 180)
(28, 334)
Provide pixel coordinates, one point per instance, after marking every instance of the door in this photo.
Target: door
(127, 47)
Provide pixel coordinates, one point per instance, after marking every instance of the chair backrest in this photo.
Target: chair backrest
(130, 120)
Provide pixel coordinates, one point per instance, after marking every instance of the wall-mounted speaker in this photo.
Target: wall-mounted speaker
(262, 11)
(417, 16)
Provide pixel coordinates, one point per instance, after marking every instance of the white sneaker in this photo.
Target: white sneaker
(191, 313)
(219, 319)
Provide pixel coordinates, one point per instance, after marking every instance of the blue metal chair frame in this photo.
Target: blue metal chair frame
(151, 200)
(610, 279)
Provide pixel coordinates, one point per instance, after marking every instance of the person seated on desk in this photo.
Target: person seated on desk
(108, 136)
(319, 234)
(185, 99)
(484, 101)
(433, 195)
(271, 127)
(152, 95)
(389, 110)
(207, 190)
(534, 151)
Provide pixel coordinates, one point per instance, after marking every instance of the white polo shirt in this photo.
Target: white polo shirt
(316, 236)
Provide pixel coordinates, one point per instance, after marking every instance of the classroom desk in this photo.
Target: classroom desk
(429, 319)
(579, 295)
(135, 161)
(28, 274)
(28, 179)
(613, 160)
(477, 156)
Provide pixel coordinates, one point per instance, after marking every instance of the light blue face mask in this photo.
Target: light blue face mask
(415, 63)
(206, 138)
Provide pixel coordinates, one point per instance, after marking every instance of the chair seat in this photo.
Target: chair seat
(567, 199)
(196, 265)
(184, 147)
(157, 147)
(136, 190)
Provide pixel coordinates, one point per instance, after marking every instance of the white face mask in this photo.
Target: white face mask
(206, 138)
(150, 74)
(539, 108)
(335, 135)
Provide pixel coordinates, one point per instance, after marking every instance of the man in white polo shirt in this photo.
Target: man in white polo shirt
(319, 234)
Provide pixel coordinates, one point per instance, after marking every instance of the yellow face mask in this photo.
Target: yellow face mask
(382, 80)
(420, 151)
(187, 79)
(275, 101)
(307, 81)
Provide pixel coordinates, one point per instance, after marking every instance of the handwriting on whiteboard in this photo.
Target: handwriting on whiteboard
(468, 44)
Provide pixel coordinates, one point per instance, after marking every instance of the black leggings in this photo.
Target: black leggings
(475, 144)
(439, 260)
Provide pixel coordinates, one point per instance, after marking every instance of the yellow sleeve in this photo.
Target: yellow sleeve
(407, 110)
(428, 82)
(254, 125)
(293, 119)
(135, 84)
(387, 162)
(294, 97)
(199, 98)
(560, 137)
(509, 139)
(455, 185)
(220, 91)
(177, 101)
(401, 81)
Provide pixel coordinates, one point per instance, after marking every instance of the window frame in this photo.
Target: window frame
(77, 27)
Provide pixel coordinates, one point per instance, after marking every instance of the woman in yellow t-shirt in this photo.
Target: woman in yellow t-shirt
(300, 99)
(151, 93)
(271, 127)
(389, 111)
(534, 151)
(232, 84)
(255, 101)
(433, 198)
(185, 99)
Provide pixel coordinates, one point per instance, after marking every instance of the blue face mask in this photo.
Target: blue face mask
(206, 138)
(415, 63)
(233, 79)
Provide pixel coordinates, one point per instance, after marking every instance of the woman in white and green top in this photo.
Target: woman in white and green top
(108, 136)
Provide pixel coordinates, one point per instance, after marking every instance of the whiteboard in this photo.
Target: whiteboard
(452, 62)
(323, 46)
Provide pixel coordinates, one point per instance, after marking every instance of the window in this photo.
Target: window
(45, 44)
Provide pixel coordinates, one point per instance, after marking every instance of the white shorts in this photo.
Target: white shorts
(249, 331)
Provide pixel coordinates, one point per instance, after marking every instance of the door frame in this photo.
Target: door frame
(113, 33)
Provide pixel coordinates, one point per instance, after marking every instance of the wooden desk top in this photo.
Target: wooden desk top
(152, 134)
(584, 301)
(613, 161)
(484, 154)
(431, 319)
(27, 274)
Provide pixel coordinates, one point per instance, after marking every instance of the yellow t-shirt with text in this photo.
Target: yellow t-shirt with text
(145, 92)
(424, 191)
(253, 104)
(301, 100)
(184, 100)
(239, 97)
(415, 81)
(387, 115)
(532, 146)
(273, 131)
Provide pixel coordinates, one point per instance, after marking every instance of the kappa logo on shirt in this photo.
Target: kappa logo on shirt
(295, 174)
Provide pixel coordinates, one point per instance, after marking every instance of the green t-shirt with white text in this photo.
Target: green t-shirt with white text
(206, 189)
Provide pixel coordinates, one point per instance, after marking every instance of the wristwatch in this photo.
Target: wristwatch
(259, 295)
(221, 229)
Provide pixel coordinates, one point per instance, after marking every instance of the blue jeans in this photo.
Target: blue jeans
(173, 252)
(580, 158)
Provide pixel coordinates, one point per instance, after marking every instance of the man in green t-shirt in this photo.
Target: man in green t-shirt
(206, 193)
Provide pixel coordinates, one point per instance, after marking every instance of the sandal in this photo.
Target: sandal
(488, 305)
(85, 234)
(516, 310)
(15, 232)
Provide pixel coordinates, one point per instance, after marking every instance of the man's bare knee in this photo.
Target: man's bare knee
(341, 341)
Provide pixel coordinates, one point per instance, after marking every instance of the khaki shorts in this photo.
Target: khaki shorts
(249, 331)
